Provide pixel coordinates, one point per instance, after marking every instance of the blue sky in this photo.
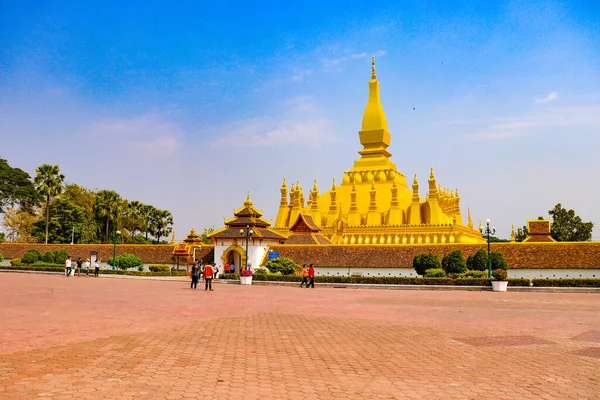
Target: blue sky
(188, 105)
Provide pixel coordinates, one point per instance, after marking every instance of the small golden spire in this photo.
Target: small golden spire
(315, 188)
(173, 241)
(431, 174)
(373, 75)
(512, 233)
(248, 202)
(415, 180)
(284, 185)
(457, 193)
(333, 185)
(469, 220)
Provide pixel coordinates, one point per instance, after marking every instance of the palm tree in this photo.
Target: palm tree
(133, 216)
(108, 205)
(161, 221)
(146, 219)
(49, 183)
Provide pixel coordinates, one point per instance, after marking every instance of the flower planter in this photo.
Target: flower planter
(499, 286)
(247, 280)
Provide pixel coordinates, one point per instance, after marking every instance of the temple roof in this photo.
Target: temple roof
(248, 209)
(234, 233)
(305, 231)
(305, 223)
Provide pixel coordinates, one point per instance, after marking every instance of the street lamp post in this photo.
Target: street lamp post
(116, 233)
(248, 234)
(486, 234)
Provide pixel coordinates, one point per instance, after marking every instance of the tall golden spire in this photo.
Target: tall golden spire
(373, 74)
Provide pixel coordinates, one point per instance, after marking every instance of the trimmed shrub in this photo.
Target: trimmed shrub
(159, 268)
(477, 261)
(425, 261)
(60, 256)
(283, 265)
(49, 256)
(498, 261)
(435, 273)
(15, 261)
(1, 257)
(31, 256)
(260, 271)
(577, 282)
(474, 274)
(127, 260)
(454, 262)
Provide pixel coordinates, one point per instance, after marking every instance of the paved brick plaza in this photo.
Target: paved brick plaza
(87, 338)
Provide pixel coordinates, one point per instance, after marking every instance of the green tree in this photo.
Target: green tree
(147, 213)
(568, 227)
(206, 233)
(19, 223)
(16, 188)
(2, 237)
(425, 261)
(521, 234)
(126, 261)
(162, 222)
(107, 206)
(477, 261)
(65, 222)
(454, 262)
(133, 216)
(49, 183)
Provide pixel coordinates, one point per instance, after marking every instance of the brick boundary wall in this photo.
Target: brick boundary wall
(149, 253)
(581, 255)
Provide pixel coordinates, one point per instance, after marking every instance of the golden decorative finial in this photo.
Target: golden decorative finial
(284, 183)
(431, 174)
(315, 188)
(373, 75)
(457, 193)
(333, 186)
(248, 202)
(416, 181)
(469, 220)
(512, 233)
(173, 241)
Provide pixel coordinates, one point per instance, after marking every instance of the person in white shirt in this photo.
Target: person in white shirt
(68, 266)
(87, 267)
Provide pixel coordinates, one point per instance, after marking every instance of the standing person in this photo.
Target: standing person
(232, 268)
(226, 268)
(208, 276)
(311, 275)
(304, 276)
(96, 267)
(87, 267)
(195, 276)
(68, 266)
(79, 265)
(216, 271)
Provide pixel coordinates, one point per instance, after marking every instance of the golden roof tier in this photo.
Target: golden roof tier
(374, 204)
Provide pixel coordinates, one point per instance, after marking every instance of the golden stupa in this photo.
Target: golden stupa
(374, 205)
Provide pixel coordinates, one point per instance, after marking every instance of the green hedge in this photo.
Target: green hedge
(388, 280)
(577, 282)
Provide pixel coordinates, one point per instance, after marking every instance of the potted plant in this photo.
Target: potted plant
(246, 277)
(499, 283)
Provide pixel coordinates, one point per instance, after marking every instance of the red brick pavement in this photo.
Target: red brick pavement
(87, 338)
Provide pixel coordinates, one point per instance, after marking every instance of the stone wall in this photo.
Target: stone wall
(159, 253)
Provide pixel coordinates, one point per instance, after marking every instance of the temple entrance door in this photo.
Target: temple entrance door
(234, 257)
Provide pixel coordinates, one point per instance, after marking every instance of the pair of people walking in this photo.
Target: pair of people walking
(308, 276)
(207, 271)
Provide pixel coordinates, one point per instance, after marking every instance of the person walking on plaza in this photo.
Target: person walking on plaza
(226, 268)
(304, 276)
(96, 267)
(311, 275)
(87, 267)
(208, 276)
(68, 266)
(79, 265)
(195, 276)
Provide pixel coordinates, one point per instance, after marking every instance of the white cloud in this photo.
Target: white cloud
(551, 97)
(151, 134)
(562, 120)
(299, 123)
(361, 55)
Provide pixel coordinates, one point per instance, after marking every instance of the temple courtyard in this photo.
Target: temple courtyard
(88, 338)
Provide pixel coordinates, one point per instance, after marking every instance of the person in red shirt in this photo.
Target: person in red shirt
(311, 275)
(208, 276)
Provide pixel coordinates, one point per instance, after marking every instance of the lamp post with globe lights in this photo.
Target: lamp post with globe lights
(486, 234)
(248, 234)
